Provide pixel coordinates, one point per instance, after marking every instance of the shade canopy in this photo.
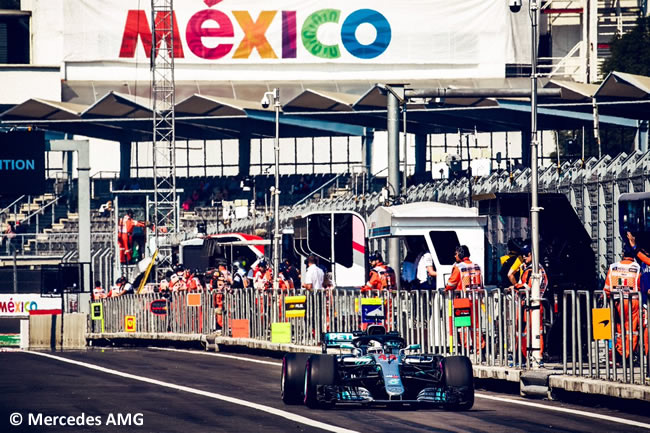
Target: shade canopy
(622, 100)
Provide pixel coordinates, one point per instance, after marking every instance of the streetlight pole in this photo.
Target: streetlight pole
(275, 97)
(534, 207)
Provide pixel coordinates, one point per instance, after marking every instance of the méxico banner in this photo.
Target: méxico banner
(435, 37)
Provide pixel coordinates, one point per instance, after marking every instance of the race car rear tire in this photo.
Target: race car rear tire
(320, 370)
(293, 376)
(459, 381)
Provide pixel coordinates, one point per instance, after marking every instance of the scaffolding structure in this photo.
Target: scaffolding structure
(165, 215)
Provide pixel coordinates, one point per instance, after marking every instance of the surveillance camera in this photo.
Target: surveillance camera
(515, 5)
(265, 101)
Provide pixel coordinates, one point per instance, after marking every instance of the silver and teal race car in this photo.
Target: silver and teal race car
(379, 369)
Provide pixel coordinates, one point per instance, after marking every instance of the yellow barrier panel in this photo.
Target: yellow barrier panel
(97, 312)
(129, 323)
(280, 332)
(601, 323)
(295, 306)
(371, 301)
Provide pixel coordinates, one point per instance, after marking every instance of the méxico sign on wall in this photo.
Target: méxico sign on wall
(379, 35)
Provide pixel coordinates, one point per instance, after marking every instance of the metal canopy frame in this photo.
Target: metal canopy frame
(317, 113)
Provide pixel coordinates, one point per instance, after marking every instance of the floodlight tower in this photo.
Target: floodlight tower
(165, 216)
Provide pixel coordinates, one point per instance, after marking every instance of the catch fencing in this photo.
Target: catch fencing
(492, 327)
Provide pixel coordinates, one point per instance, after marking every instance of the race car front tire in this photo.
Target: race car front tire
(320, 370)
(293, 376)
(459, 382)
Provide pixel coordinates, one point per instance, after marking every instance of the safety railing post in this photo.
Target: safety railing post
(565, 295)
(577, 314)
(621, 333)
(590, 357)
(643, 313)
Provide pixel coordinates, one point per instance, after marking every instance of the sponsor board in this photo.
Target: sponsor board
(18, 304)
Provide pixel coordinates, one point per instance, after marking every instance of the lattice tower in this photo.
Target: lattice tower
(164, 136)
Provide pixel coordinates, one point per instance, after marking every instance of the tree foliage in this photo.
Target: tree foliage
(631, 52)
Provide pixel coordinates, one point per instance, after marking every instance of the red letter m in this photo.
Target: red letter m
(137, 25)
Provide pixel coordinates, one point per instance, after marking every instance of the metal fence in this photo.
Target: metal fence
(497, 335)
(622, 353)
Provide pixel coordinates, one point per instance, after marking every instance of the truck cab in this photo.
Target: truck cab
(431, 227)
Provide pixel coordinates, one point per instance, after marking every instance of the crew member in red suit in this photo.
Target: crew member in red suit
(125, 236)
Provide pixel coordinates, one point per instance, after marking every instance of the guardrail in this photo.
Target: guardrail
(607, 336)
(493, 331)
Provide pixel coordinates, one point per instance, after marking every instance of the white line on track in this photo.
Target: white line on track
(219, 355)
(567, 410)
(479, 395)
(288, 415)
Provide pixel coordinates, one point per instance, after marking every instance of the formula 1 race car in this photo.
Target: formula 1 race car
(380, 369)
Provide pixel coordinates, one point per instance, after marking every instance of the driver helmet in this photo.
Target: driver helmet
(375, 346)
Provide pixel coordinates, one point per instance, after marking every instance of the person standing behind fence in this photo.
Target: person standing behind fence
(465, 275)
(261, 274)
(381, 275)
(125, 236)
(511, 262)
(314, 276)
(294, 273)
(525, 282)
(643, 259)
(98, 291)
(239, 280)
(285, 282)
(425, 270)
(121, 287)
(625, 276)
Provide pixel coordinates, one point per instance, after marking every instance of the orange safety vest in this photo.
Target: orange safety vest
(528, 273)
(623, 276)
(470, 276)
(98, 293)
(386, 276)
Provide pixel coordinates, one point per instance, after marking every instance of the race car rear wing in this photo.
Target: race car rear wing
(335, 340)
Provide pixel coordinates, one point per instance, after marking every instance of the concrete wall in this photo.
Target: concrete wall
(45, 331)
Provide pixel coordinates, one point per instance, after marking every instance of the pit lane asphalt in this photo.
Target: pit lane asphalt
(32, 383)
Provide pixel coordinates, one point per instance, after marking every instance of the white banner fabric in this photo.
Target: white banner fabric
(409, 34)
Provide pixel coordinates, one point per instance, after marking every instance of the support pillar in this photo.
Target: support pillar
(84, 245)
(244, 154)
(366, 152)
(420, 156)
(125, 159)
(393, 183)
(393, 142)
(642, 136)
(525, 148)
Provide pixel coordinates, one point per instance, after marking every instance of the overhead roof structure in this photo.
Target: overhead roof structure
(622, 99)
